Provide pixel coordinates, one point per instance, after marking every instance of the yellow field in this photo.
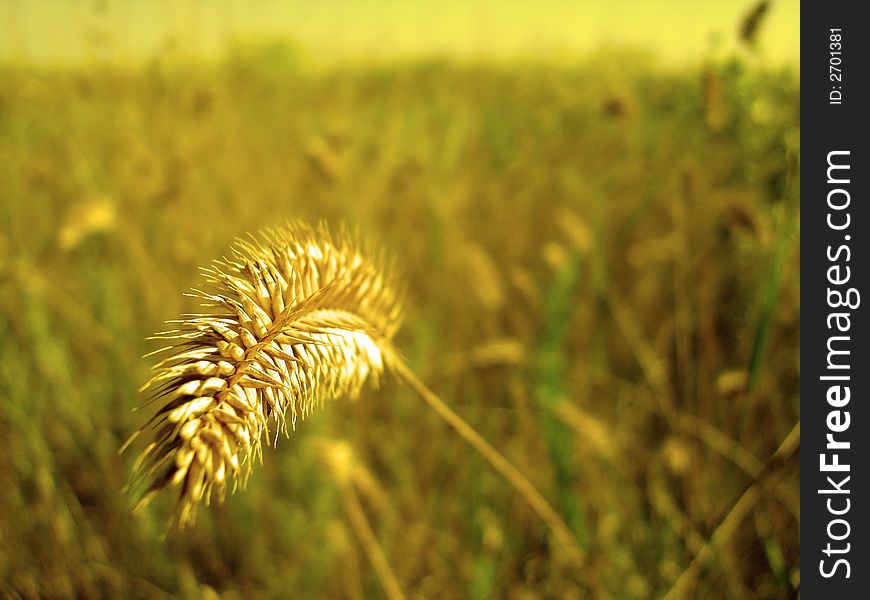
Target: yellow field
(602, 273)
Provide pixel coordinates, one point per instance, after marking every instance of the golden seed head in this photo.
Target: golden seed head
(293, 318)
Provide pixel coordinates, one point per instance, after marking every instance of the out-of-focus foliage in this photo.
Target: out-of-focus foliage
(601, 265)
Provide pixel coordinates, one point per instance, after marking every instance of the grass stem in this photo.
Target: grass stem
(519, 481)
(369, 541)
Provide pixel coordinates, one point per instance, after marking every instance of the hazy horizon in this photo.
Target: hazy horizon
(123, 32)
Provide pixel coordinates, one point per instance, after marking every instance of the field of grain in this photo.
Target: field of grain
(601, 270)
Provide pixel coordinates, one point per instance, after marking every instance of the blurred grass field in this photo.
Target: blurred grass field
(602, 271)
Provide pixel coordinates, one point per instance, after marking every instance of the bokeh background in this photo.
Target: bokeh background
(595, 211)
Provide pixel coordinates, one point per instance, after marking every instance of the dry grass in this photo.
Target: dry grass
(601, 264)
(295, 318)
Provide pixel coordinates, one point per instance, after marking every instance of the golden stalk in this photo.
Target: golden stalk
(292, 319)
(519, 481)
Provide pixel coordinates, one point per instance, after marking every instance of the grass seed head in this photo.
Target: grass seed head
(294, 317)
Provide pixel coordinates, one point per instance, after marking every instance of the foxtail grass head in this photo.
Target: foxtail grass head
(292, 318)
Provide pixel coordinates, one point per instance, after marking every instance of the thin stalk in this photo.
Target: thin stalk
(738, 511)
(519, 482)
(368, 540)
